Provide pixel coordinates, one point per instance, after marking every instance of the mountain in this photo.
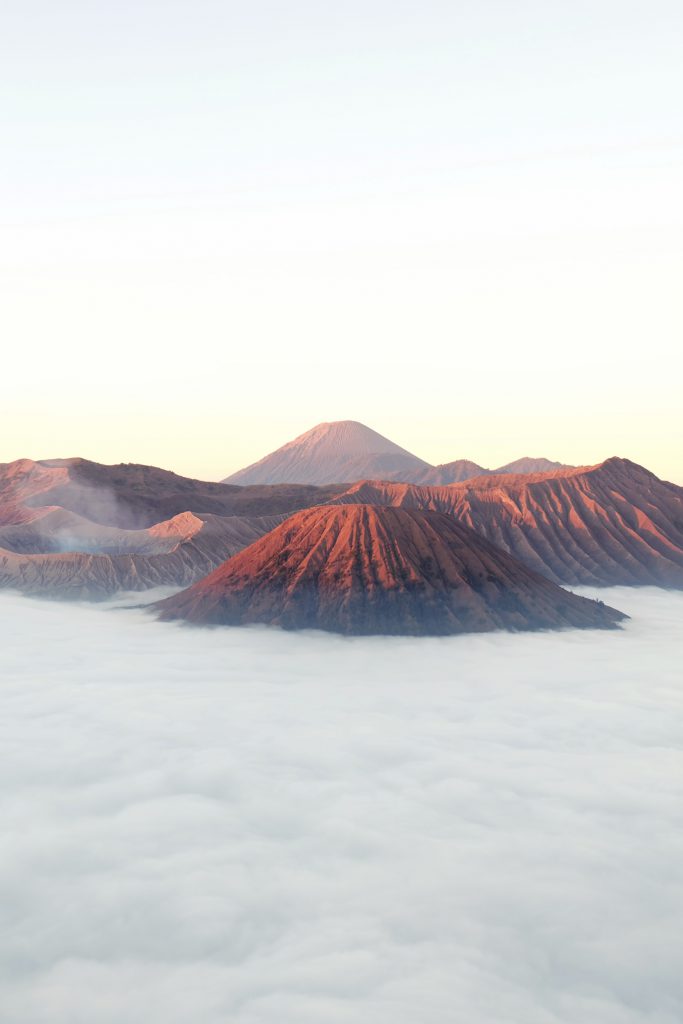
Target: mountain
(96, 562)
(73, 528)
(463, 469)
(347, 451)
(70, 527)
(450, 473)
(609, 524)
(338, 452)
(361, 569)
(132, 496)
(527, 465)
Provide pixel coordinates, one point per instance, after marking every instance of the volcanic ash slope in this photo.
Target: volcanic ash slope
(607, 525)
(361, 569)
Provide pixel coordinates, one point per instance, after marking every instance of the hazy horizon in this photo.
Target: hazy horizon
(276, 445)
(457, 223)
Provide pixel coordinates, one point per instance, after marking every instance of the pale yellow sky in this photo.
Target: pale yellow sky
(463, 229)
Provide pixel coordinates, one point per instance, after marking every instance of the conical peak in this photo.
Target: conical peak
(375, 569)
(340, 451)
(349, 435)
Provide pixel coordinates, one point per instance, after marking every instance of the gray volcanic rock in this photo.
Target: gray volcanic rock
(73, 528)
(57, 531)
(132, 497)
(330, 453)
(167, 554)
(361, 569)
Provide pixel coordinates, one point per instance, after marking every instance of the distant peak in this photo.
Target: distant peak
(339, 451)
(329, 424)
(529, 464)
(350, 429)
(617, 462)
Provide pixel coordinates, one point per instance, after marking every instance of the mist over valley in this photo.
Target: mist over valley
(255, 825)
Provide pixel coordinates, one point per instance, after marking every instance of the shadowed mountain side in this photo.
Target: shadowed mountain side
(363, 569)
(56, 531)
(69, 527)
(164, 557)
(614, 523)
(133, 497)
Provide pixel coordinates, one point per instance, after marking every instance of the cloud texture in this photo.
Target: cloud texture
(254, 827)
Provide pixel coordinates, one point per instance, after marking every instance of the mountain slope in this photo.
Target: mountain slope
(73, 528)
(132, 496)
(614, 523)
(333, 453)
(347, 451)
(450, 473)
(366, 570)
(167, 554)
(527, 465)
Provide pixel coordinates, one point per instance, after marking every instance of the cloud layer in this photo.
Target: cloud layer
(254, 827)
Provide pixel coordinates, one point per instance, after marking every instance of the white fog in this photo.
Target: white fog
(244, 826)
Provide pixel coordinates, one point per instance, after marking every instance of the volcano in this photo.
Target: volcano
(607, 525)
(451, 473)
(71, 528)
(338, 452)
(347, 451)
(528, 466)
(360, 569)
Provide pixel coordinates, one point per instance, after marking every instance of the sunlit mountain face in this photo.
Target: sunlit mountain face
(365, 569)
(73, 528)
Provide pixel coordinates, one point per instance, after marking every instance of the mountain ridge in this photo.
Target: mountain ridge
(343, 451)
(363, 569)
(603, 525)
(78, 528)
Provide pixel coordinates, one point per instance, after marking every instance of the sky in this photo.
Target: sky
(459, 223)
(258, 827)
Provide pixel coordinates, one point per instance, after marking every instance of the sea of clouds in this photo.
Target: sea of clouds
(244, 826)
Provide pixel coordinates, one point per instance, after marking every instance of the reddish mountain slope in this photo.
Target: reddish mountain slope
(606, 524)
(367, 570)
(615, 523)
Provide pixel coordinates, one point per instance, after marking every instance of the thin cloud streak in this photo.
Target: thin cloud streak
(251, 826)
